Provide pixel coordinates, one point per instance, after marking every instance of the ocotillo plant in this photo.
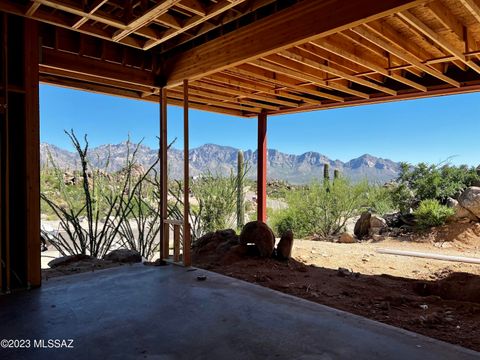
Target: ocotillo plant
(326, 173)
(240, 197)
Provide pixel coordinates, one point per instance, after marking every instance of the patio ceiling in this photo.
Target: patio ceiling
(247, 57)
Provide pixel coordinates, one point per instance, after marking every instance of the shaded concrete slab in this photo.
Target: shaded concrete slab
(139, 312)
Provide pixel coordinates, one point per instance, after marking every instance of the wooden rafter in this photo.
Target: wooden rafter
(150, 15)
(402, 54)
(274, 34)
(436, 38)
(217, 9)
(351, 53)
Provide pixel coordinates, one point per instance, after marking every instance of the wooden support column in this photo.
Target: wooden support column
(186, 179)
(32, 149)
(19, 154)
(163, 175)
(262, 168)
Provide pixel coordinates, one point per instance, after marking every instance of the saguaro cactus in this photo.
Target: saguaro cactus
(240, 197)
(336, 174)
(326, 173)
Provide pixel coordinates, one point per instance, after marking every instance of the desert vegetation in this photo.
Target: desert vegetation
(99, 209)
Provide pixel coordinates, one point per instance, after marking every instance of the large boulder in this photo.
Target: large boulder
(460, 212)
(377, 225)
(123, 256)
(362, 227)
(284, 247)
(258, 233)
(470, 200)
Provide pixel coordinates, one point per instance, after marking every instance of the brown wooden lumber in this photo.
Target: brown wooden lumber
(85, 65)
(232, 91)
(350, 55)
(159, 9)
(292, 26)
(164, 232)
(187, 259)
(437, 39)
(403, 54)
(217, 9)
(177, 94)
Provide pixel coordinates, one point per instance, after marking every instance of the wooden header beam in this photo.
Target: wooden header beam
(287, 28)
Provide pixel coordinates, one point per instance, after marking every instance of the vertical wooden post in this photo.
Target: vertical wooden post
(262, 168)
(32, 161)
(4, 164)
(176, 242)
(19, 154)
(187, 261)
(163, 174)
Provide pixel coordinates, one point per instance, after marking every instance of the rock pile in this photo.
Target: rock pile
(256, 240)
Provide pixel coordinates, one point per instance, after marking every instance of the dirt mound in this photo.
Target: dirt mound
(465, 233)
(455, 232)
(456, 286)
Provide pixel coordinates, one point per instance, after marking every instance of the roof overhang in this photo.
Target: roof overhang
(247, 57)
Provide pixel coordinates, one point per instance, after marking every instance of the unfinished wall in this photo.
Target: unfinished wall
(19, 154)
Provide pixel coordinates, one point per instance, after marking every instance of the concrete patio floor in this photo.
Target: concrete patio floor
(140, 312)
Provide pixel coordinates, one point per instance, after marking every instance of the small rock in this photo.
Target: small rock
(342, 272)
(377, 237)
(201, 277)
(346, 238)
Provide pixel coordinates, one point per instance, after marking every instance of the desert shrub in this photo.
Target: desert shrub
(403, 198)
(436, 181)
(321, 209)
(91, 215)
(431, 213)
(217, 198)
(379, 199)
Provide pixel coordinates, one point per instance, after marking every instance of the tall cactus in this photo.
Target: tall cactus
(326, 173)
(336, 174)
(240, 197)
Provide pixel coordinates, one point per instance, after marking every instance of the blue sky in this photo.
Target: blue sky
(428, 130)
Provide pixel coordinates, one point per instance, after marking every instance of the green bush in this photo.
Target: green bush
(403, 198)
(321, 209)
(436, 181)
(380, 199)
(431, 213)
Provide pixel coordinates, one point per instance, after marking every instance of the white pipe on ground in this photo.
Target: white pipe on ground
(463, 259)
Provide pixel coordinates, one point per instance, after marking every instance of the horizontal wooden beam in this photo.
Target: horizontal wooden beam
(412, 94)
(292, 26)
(103, 89)
(56, 59)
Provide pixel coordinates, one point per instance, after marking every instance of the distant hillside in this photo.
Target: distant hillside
(222, 159)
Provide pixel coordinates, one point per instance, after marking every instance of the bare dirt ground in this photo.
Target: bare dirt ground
(436, 298)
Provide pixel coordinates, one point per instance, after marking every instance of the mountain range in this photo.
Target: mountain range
(296, 169)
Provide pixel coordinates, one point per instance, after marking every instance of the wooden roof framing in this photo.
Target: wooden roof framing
(245, 57)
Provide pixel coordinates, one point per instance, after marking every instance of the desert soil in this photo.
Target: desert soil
(435, 298)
